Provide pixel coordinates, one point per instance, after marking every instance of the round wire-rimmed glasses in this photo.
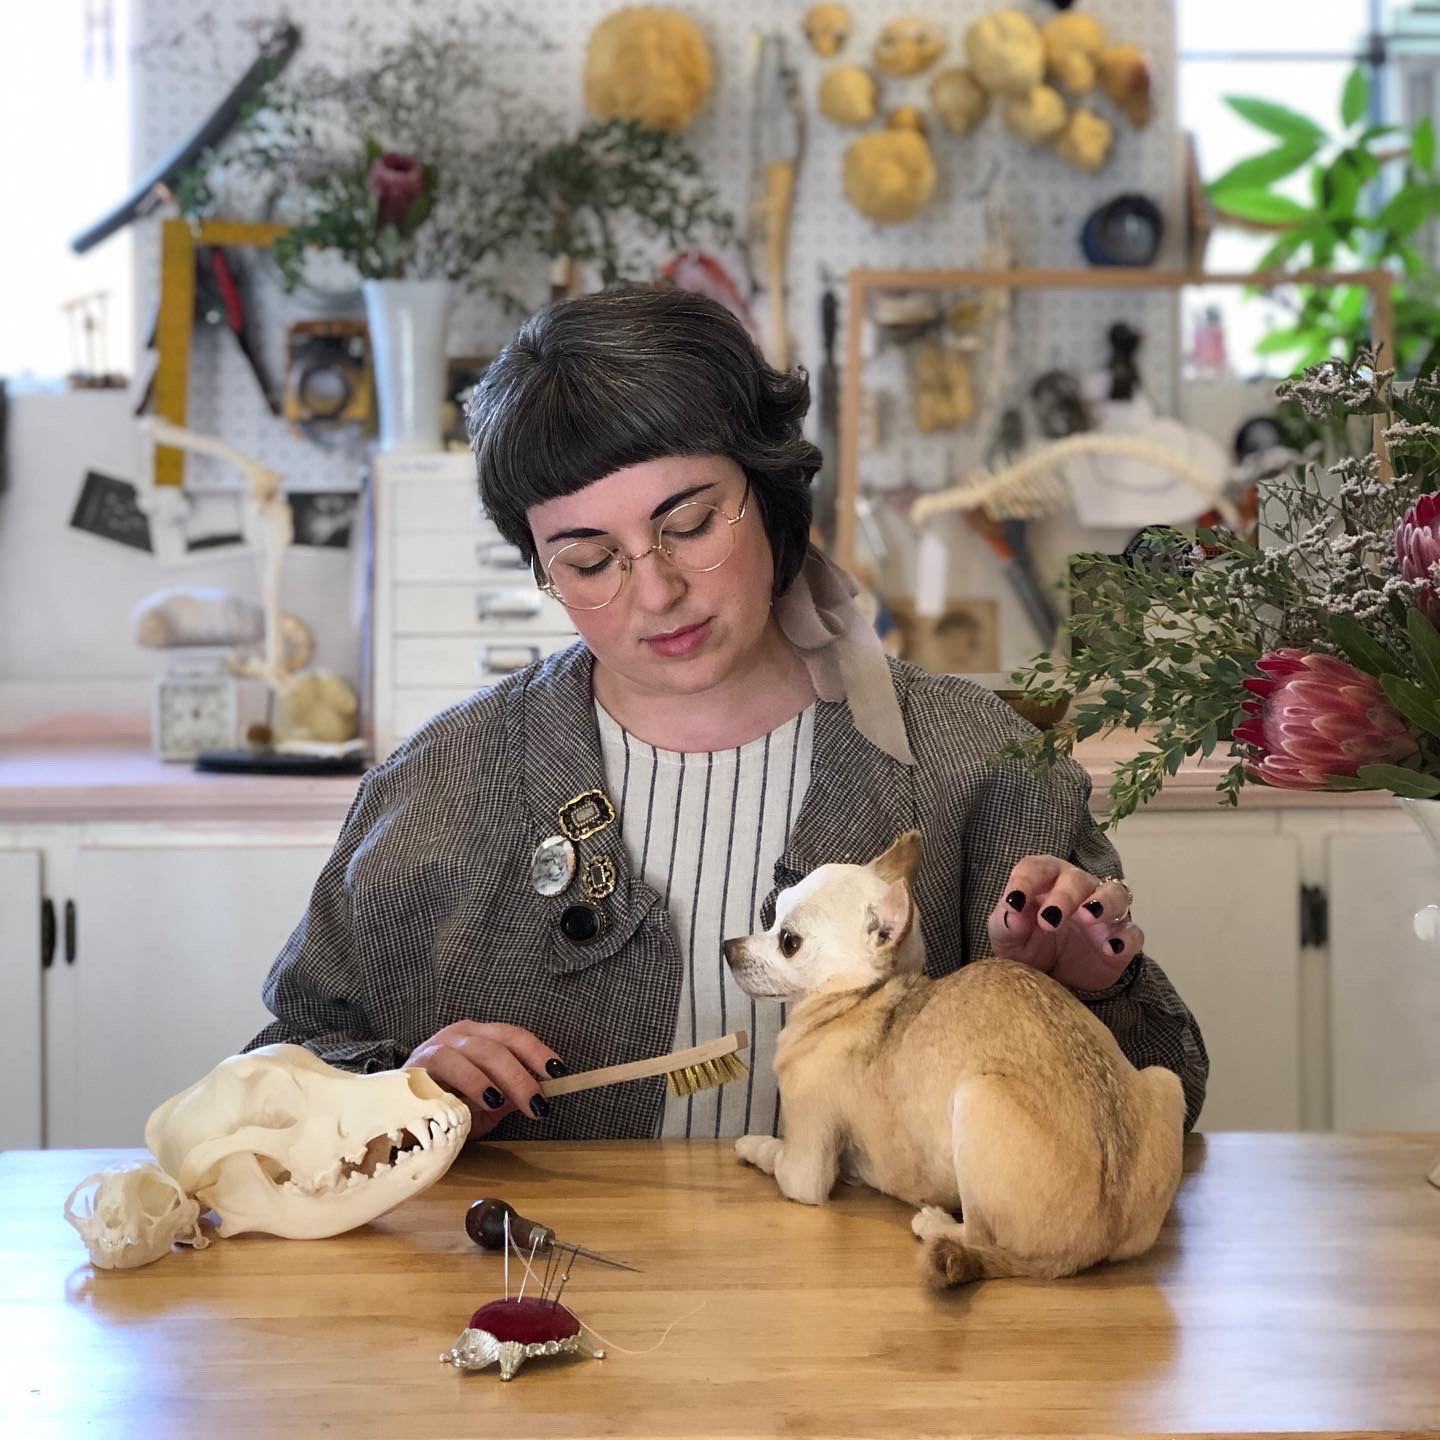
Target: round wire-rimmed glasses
(694, 536)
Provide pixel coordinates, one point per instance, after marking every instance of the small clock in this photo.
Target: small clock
(194, 713)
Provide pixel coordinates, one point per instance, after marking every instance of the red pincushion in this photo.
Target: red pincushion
(527, 1322)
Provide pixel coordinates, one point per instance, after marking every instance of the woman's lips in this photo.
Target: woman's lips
(679, 642)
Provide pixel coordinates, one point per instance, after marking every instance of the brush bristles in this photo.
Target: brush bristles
(719, 1071)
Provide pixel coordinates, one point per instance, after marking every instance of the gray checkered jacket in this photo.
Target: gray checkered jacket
(425, 913)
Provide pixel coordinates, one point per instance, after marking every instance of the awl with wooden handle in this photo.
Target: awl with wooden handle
(485, 1224)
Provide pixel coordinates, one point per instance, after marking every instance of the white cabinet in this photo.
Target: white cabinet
(174, 927)
(1219, 904)
(455, 605)
(1384, 984)
(1288, 933)
(21, 958)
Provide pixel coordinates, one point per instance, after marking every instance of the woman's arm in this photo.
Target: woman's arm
(314, 988)
(1018, 814)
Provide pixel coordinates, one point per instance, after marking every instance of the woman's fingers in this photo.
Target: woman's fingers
(513, 1079)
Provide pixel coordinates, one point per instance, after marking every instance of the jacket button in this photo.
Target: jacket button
(581, 923)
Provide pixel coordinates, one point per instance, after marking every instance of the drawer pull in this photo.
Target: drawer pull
(502, 659)
(499, 555)
(507, 605)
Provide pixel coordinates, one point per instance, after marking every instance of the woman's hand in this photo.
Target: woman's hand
(1065, 921)
(494, 1068)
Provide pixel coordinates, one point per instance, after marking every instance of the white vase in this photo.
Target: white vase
(408, 320)
(1426, 814)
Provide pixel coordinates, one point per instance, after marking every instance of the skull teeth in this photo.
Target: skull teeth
(393, 1150)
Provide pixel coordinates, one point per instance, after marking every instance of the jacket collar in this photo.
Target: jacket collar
(858, 799)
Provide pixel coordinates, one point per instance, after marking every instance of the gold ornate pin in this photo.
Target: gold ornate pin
(586, 814)
(597, 877)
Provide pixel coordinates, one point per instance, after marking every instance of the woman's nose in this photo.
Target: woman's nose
(656, 582)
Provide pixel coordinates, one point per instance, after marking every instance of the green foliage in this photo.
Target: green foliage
(1360, 214)
(504, 180)
(1170, 636)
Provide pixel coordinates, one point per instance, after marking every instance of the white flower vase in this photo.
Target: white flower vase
(408, 320)
(1426, 814)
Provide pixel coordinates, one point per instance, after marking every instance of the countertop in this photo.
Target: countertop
(1293, 1291)
(90, 781)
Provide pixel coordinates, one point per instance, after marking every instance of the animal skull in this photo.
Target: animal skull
(136, 1213)
(279, 1141)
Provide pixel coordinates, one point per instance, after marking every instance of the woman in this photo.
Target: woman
(541, 877)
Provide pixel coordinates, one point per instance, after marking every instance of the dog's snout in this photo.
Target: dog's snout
(731, 949)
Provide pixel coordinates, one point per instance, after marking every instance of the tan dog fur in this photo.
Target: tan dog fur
(993, 1089)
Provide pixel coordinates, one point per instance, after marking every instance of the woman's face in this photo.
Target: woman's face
(668, 631)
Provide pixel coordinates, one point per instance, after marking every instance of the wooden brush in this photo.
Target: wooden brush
(698, 1068)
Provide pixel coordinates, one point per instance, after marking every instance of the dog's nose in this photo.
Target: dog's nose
(730, 949)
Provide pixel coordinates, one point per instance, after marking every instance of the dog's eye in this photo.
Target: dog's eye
(789, 943)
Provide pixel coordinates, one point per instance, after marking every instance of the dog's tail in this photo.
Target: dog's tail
(945, 1262)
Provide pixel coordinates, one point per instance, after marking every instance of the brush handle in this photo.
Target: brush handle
(643, 1069)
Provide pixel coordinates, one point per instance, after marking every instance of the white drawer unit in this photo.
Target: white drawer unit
(456, 607)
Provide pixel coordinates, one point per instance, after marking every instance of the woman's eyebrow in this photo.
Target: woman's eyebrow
(669, 503)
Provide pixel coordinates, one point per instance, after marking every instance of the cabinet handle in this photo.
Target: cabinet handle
(69, 932)
(47, 933)
(499, 555)
(507, 605)
(492, 660)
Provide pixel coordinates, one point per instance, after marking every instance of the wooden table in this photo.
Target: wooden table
(1296, 1288)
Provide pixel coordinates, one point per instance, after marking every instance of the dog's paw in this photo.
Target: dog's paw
(931, 1221)
(759, 1151)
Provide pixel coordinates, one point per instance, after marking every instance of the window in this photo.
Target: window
(64, 117)
(1295, 52)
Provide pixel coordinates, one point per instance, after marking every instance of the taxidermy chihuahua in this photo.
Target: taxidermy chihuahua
(993, 1090)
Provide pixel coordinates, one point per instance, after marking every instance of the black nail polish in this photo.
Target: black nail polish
(1095, 907)
(555, 1068)
(539, 1107)
(1016, 899)
(493, 1098)
(1116, 944)
(1052, 916)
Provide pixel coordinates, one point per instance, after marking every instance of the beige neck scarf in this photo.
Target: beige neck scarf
(819, 617)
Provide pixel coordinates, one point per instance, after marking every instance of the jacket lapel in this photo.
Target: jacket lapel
(858, 800)
(552, 724)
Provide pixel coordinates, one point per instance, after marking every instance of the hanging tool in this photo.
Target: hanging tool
(1007, 539)
(829, 413)
(218, 301)
(485, 1223)
(276, 48)
(777, 138)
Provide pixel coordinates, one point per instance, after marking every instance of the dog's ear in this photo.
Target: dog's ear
(902, 860)
(888, 919)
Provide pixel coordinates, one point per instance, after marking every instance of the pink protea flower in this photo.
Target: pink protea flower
(396, 182)
(1417, 548)
(1319, 716)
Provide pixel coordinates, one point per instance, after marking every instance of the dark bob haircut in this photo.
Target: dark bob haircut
(593, 385)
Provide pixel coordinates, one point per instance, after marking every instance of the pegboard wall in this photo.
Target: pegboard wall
(190, 52)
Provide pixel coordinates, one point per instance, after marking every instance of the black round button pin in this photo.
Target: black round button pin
(581, 923)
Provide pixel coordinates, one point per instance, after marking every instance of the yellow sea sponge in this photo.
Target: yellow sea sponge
(908, 45)
(889, 175)
(848, 95)
(960, 100)
(649, 64)
(1006, 52)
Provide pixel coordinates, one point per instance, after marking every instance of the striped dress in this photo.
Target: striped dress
(705, 830)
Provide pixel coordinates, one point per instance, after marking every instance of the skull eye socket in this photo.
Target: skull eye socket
(789, 943)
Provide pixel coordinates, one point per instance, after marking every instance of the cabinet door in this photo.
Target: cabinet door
(20, 999)
(1385, 983)
(172, 946)
(1220, 909)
